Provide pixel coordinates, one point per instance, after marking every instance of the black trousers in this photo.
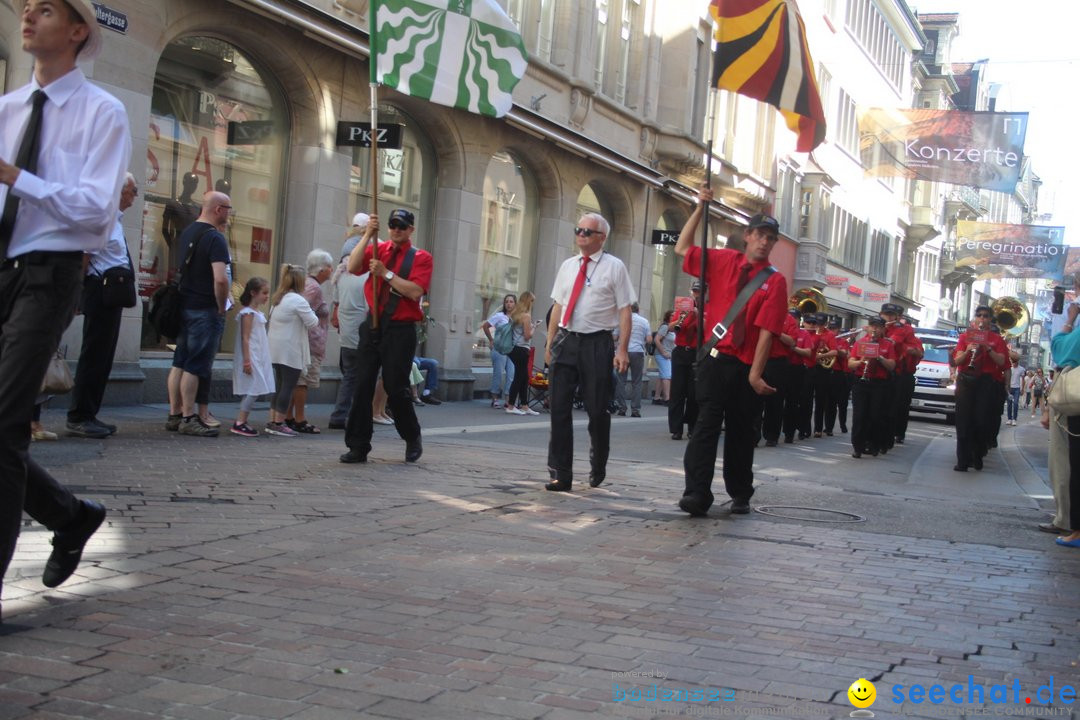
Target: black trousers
(993, 426)
(101, 330)
(843, 387)
(975, 402)
(777, 374)
(519, 389)
(581, 362)
(1073, 423)
(37, 301)
(870, 418)
(806, 401)
(903, 388)
(723, 389)
(824, 400)
(390, 348)
(793, 399)
(682, 405)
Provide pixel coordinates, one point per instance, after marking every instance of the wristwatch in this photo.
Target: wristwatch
(389, 275)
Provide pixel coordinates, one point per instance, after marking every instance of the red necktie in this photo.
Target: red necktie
(579, 285)
(738, 326)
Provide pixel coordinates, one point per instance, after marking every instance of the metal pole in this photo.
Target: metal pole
(711, 123)
(374, 174)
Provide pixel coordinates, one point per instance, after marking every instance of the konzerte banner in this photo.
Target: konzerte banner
(981, 149)
(995, 250)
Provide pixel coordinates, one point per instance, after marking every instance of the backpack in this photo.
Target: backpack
(504, 338)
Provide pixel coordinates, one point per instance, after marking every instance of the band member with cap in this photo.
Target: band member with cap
(779, 373)
(404, 276)
(593, 294)
(682, 404)
(808, 340)
(979, 353)
(824, 395)
(909, 352)
(801, 350)
(730, 377)
(841, 378)
(872, 362)
(65, 145)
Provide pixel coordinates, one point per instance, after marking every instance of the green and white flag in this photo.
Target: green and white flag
(463, 53)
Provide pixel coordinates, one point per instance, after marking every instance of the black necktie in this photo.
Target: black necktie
(738, 326)
(25, 159)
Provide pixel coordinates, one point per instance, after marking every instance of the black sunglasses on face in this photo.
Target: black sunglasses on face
(586, 232)
(982, 315)
(396, 225)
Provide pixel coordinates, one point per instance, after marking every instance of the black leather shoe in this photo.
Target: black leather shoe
(689, 505)
(770, 443)
(872, 453)
(353, 456)
(977, 464)
(413, 450)
(788, 439)
(430, 400)
(333, 425)
(68, 544)
(828, 433)
(596, 480)
(899, 441)
(558, 486)
(960, 468)
(740, 507)
(621, 413)
(856, 454)
(676, 436)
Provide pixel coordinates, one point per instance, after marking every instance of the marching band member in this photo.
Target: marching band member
(823, 389)
(793, 399)
(841, 378)
(808, 339)
(778, 373)
(979, 353)
(873, 359)
(909, 352)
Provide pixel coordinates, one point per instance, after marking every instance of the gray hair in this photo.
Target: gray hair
(317, 260)
(601, 223)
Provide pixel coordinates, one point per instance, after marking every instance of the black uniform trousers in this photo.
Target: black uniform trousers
(824, 400)
(870, 414)
(976, 400)
(843, 389)
(682, 403)
(101, 330)
(806, 403)
(1073, 423)
(903, 389)
(796, 377)
(391, 347)
(724, 391)
(777, 374)
(993, 427)
(38, 291)
(580, 361)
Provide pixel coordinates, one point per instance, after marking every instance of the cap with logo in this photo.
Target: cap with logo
(404, 216)
(764, 221)
(892, 308)
(85, 10)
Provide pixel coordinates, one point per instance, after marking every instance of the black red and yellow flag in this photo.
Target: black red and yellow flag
(761, 52)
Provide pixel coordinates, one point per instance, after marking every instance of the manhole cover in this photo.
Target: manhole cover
(809, 514)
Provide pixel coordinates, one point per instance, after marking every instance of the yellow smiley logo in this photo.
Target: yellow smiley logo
(862, 693)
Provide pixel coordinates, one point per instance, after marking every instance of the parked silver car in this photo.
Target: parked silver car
(935, 378)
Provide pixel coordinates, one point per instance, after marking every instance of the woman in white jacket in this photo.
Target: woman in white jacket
(290, 318)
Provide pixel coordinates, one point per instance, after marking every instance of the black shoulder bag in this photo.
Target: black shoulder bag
(395, 297)
(166, 311)
(118, 285)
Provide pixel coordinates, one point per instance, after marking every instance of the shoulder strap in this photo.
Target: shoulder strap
(738, 306)
(403, 272)
(182, 270)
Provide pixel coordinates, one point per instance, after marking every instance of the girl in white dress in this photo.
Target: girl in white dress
(252, 373)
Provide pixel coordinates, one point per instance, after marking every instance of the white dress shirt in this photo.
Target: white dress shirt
(72, 201)
(114, 254)
(607, 290)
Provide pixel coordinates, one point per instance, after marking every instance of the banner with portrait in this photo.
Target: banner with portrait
(996, 250)
(978, 149)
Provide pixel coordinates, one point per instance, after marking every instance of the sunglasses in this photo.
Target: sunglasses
(397, 225)
(983, 315)
(586, 232)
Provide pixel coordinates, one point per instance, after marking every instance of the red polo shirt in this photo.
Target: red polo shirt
(766, 309)
(841, 361)
(407, 310)
(983, 364)
(779, 349)
(807, 340)
(686, 334)
(904, 337)
(876, 371)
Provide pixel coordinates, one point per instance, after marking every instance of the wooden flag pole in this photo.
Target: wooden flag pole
(711, 122)
(373, 176)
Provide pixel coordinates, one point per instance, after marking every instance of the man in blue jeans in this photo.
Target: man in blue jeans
(204, 287)
(431, 382)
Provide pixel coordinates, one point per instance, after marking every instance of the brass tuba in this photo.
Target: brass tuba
(1011, 316)
(808, 300)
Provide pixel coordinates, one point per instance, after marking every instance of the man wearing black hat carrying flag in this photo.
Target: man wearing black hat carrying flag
(404, 274)
(730, 383)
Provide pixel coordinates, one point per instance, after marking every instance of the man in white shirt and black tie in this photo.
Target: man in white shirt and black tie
(592, 293)
(64, 148)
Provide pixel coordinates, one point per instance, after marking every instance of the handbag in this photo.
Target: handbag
(58, 379)
(166, 310)
(1064, 395)
(118, 286)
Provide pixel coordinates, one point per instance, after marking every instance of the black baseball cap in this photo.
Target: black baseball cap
(404, 216)
(810, 318)
(892, 308)
(764, 221)
(876, 320)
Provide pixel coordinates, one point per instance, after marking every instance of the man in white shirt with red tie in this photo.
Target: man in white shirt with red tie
(593, 294)
(64, 148)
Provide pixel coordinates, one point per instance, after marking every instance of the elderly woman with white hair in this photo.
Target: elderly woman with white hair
(320, 266)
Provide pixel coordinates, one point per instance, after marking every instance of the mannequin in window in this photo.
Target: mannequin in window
(178, 214)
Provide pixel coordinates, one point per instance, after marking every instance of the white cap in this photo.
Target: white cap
(360, 219)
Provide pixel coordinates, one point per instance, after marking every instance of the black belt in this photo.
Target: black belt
(38, 257)
(724, 357)
(585, 335)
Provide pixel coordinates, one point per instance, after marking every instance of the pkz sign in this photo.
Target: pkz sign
(358, 134)
(250, 132)
(111, 19)
(664, 237)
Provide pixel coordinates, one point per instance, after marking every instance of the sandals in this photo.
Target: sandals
(303, 427)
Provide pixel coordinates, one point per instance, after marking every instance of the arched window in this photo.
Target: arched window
(404, 176)
(504, 260)
(215, 124)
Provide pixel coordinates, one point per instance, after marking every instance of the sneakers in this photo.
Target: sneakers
(273, 428)
(87, 429)
(244, 430)
(496, 402)
(511, 410)
(173, 423)
(382, 420)
(528, 411)
(211, 421)
(195, 426)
